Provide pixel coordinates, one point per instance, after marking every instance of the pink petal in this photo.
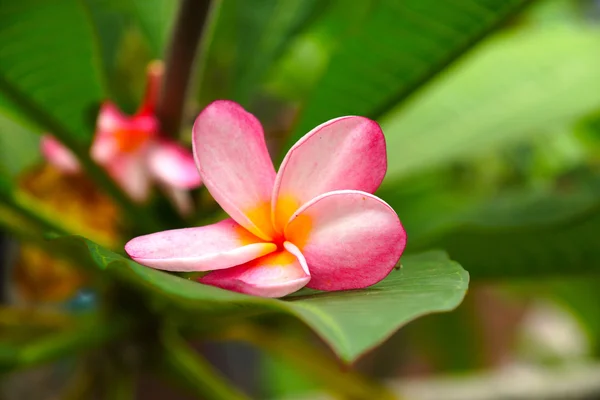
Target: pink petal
(344, 153)
(131, 174)
(274, 275)
(350, 239)
(58, 155)
(117, 133)
(216, 246)
(106, 144)
(173, 165)
(231, 154)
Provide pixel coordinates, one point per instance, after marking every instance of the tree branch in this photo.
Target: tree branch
(183, 48)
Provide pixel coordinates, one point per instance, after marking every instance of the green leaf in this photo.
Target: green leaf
(155, 18)
(581, 298)
(58, 57)
(185, 365)
(249, 36)
(528, 236)
(532, 81)
(57, 85)
(398, 48)
(90, 333)
(19, 147)
(350, 322)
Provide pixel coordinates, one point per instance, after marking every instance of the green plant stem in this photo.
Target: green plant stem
(62, 344)
(189, 368)
(311, 362)
(183, 48)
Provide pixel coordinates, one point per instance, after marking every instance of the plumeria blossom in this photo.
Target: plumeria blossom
(314, 223)
(132, 150)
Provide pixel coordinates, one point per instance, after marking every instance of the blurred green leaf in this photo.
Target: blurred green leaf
(59, 57)
(249, 36)
(264, 28)
(91, 332)
(155, 18)
(192, 371)
(19, 147)
(350, 322)
(49, 65)
(549, 233)
(533, 81)
(398, 48)
(281, 378)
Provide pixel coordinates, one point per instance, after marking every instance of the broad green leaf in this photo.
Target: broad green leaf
(532, 81)
(49, 65)
(248, 37)
(155, 18)
(551, 233)
(350, 322)
(400, 46)
(264, 28)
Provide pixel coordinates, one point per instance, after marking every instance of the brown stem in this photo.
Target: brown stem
(184, 44)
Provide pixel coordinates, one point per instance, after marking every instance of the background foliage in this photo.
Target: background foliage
(491, 111)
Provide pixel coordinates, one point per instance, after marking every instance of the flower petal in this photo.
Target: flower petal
(350, 239)
(132, 175)
(58, 155)
(117, 133)
(274, 275)
(106, 144)
(231, 154)
(173, 165)
(216, 246)
(344, 153)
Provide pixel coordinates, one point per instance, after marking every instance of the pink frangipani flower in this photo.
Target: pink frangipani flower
(314, 223)
(132, 149)
(133, 152)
